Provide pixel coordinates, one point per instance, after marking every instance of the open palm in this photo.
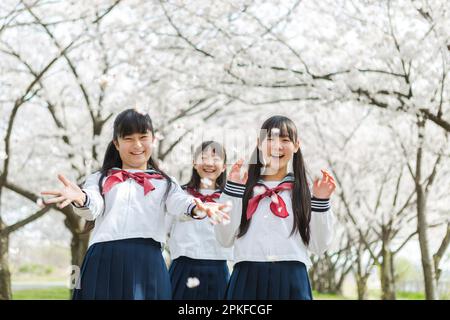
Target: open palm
(215, 211)
(68, 194)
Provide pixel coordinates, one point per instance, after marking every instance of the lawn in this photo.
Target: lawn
(62, 293)
(57, 293)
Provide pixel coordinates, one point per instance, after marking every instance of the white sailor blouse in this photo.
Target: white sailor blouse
(268, 237)
(131, 207)
(195, 238)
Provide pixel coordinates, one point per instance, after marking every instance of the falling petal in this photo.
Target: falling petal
(159, 136)
(200, 214)
(274, 198)
(40, 203)
(192, 282)
(207, 182)
(258, 190)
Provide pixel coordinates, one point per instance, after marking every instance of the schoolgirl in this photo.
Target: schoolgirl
(274, 221)
(199, 263)
(128, 199)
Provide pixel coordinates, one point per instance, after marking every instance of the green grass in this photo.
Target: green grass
(410, 296)
(323, 296)
(57, 293)
(62, 293)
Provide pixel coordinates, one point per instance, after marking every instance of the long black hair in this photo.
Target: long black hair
(126, 123)
(217, 149)
(301, 195)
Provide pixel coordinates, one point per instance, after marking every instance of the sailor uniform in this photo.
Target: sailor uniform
(196, 253)
(124, 259)
(270, 262)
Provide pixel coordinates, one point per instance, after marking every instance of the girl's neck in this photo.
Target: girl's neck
(208, 187)
(278, 176)
(128, 167)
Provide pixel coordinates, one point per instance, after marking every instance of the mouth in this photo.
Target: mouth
(277, 156)
(209, 170)
(137, 153)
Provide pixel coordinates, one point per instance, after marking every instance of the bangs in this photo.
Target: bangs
(213, 146)
(130, 122)
(279, 126)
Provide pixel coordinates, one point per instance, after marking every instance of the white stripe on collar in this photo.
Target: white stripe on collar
(288, 178)
(150, 170)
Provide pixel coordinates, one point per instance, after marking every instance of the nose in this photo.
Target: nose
(138, 143)
(277, 145)
(208, 162)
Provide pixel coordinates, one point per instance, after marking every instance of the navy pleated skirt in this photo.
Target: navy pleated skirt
(212, 274)
(129, 269)
(280, 280)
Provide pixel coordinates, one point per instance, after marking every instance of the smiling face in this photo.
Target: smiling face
(277, 150)
(209, 166)
(135, 150)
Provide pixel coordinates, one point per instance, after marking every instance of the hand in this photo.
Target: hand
(215, 211)
(70, 193)
(235, 173)
(323, 188)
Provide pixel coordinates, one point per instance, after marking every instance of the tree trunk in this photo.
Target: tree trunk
(78, 248)
(427, 266)
(5, 275)
(422, 225)
(387, 277)
(361, 286)
(323, 277)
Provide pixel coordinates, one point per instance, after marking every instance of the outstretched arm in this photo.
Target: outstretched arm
(88, 202)
(322, 218)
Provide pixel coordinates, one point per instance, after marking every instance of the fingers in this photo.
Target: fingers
(200, 204)
(245, 178)
(225, 215)
(215, 212)
(237, 166)
(55, 200)
(326, 184)
(65, 203)
(63, 180)
(332, 186)
(324, 176)
(327, 177)
(316, 183)
(51, 192)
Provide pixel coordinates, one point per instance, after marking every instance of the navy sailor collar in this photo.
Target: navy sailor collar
(288, 178)
(149, 170)
(217, 190)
